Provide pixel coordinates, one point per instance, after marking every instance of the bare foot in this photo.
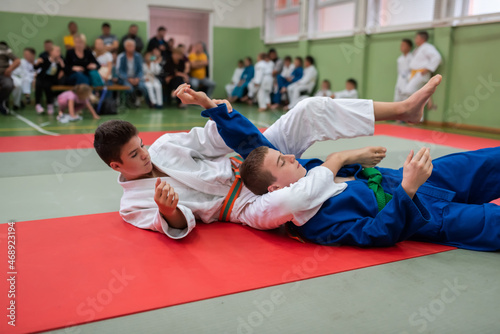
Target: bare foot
(262, 109)
(275, 106)
(370, 156)
(244, 98)
(413, 106)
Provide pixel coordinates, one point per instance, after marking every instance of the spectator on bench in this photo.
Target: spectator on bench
(51, 70)
(132, 34)
(110, 40)
(130, 72)
(305, 84)
(175, 71)
(79, 62)
(8, 63)
(199, 62)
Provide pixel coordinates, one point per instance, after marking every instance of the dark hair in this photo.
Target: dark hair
(408, 42)
(72, 22)
(110, 137)
(423, 34)
(353, 82)
(328, 82)
(240, 61)
(30, 50)
(249, 59)
(106, 25)
(161, 28)
(310, 59)
(180, 45)
(272, 50)
(4, 43)
(133, 25)
(287, 58)
(255, 178)
(47, 41)
(300, 60)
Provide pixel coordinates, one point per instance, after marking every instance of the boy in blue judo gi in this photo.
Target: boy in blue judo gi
(444, 201)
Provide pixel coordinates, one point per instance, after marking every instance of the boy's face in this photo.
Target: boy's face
(349, 86)
(55, 52)
(28, 56)
(325, 86)
(297, 63)
(136, 161)
(405, 48)
(285, 168)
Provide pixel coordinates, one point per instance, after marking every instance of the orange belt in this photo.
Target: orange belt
(413, 72)
(234, 192)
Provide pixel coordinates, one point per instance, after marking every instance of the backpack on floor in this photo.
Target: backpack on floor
(107, 105)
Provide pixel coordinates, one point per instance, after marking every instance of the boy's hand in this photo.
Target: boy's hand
(166, 198)
(189, 96)
(416, 170)
(226, 102)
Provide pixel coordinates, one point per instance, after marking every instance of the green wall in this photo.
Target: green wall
(21, 30)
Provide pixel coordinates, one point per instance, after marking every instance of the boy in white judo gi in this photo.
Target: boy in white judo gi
(425, 60)
(261, 85)
(404, 71)
(187, 176)
(235, 79)
(350, 91)
(305, 84)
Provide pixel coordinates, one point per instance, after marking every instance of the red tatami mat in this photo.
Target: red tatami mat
(87, 268)
(80, 141)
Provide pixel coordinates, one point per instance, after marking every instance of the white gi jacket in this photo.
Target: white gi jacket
(346, 94)
(404, 72)
(425, 56)
(201, 173)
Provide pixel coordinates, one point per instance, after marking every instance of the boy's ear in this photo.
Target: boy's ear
(273, 187)
(115, 166)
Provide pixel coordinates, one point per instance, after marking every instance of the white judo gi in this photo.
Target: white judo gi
(262, 83)
(306, 83)
(346, 94)
(426, 56)
(200, 172)
(238, 71)
(403, 76)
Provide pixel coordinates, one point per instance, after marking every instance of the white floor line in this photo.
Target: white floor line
(45, 124)
(33, 125)
(259, 123)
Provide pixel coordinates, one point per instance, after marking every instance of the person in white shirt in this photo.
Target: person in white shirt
(104, 58)
(403, 68)
(23, 77)
(305, 84)
(325, 89)
(238, 71)
(197, 166)
(151, 70)
(350, 91)
(261, 85)
(425, 61)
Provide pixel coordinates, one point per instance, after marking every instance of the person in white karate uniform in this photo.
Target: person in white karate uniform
(304, 84)
(350, 91)
(186, 176)
(425, 60)
(238, 71)
(404, 71)
(325, 89)
(261, 85)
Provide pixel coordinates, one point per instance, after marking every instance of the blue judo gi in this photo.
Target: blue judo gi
(247, 75)
(451, 208)
(282, 82)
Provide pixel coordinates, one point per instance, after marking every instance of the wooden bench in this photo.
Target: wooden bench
(59, 88)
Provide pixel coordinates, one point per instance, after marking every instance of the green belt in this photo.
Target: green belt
(375, 183)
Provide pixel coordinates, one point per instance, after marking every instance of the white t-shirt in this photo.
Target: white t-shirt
(104, 59)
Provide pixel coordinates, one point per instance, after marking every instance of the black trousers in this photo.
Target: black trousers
(44, 84)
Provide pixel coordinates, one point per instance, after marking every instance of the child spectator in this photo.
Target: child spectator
(47, 46)
(27, 63)
(262, 82)
(248, 74)
(51, 70)
(104, 58)
(350, 91)
(238, 71)
(305, 84)
(73, 101)
(151, 70)
(325, 89)
(286, 78)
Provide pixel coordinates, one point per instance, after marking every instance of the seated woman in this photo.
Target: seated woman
(176, 73)
(79, 62)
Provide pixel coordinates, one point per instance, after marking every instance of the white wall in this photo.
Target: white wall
(227, 13)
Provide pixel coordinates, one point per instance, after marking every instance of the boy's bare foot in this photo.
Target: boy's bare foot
(413, 107)
(371, 156)
(275, 106)
(244, 99)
